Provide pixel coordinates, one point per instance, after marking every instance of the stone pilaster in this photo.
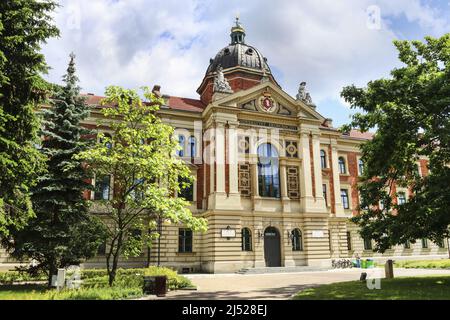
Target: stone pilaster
(320, 201)
(339, 209)
(307, 198)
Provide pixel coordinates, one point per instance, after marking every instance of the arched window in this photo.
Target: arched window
(342, 169)
(360, 167)
(268, 171)
(181, 140)
(246, 239)
(192, 146)
(297, 243)
(323, 159)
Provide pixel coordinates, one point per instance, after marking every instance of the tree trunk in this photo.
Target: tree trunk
(115, 252)
(51, 271)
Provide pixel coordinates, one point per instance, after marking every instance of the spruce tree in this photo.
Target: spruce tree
(63, 232)
(24, 26)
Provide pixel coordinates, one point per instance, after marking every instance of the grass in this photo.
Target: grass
(425, 264)
(95, 286)
(407, 288)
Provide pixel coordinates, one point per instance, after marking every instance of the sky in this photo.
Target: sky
(329, 44)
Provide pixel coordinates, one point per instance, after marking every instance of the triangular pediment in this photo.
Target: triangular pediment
(269, 99)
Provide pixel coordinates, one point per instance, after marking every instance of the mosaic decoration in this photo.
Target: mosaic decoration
(293, 182)
(244, 180)
(243, 145)
(291, 149)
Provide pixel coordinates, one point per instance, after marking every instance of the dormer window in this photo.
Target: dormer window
(249, 51)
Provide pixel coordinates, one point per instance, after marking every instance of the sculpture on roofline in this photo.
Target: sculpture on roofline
(220, 82)
(304, 96)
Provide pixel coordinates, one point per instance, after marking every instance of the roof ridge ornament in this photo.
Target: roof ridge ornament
(304, 95)
(237, 32)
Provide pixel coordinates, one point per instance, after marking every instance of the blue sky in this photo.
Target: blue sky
(327, 43)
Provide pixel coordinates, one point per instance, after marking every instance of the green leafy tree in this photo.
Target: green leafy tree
(138, 158)
(63, 232)
(24, 26)
(411, 114)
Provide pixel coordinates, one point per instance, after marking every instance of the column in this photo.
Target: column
(220, 157)
(306, 187)
(233, 159)
(283, 182)
(254, 173)
(339, 209)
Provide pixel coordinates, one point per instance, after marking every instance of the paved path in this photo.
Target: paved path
(276, 285)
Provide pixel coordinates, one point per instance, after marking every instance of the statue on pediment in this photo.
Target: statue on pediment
(304, 96)
(220, 82)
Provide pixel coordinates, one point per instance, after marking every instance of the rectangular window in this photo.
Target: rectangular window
(102, 188)
(401, 198)
(440, 244)
(184, 240)
(187, 192)
(349, 241)
(367, 244)
(324, 190)
(360, 167)
(425, 243)
(407, 245)
(101, 250)
(344, 198)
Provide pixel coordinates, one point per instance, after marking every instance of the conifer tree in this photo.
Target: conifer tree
(24, 26)
(63, 232)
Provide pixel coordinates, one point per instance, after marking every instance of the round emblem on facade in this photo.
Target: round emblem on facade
(267, 104)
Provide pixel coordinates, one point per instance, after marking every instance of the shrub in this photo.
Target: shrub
(8, 277)
(114, 293)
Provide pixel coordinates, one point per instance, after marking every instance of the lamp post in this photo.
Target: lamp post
(159, 240)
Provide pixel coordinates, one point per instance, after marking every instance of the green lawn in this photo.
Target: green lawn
(426, 264)
(21, 292)
(420, 288)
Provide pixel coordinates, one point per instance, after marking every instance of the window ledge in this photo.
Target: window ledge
(186, 253)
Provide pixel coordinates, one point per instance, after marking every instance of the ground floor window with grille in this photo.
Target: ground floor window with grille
(425, 243)
(349, 241)
(407, 244)
(297, 243)
(367, 244)
(184, 240)
(246, 239)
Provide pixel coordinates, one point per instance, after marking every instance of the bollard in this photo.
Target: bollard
(389, 269)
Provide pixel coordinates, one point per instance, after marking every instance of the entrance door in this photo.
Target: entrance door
(272, 251)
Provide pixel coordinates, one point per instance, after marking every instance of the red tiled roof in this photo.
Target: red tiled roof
(92, 99)
(185, 104)
(361, 135)
(176, 103)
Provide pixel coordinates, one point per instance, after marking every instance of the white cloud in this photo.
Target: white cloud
(137, 42)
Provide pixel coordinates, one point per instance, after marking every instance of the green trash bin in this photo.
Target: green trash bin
(364, 264)
(369, 263)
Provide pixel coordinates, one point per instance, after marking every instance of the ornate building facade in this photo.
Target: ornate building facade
(275, 180)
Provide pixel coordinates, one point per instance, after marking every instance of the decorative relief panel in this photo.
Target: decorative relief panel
(251, 105)
(244, 180)
(293, 182)
(291, 149)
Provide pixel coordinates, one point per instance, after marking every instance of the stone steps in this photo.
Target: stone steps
(279, 270)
